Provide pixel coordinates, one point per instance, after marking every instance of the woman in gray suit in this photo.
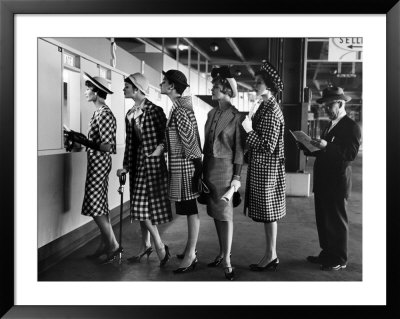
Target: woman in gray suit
(223, 159)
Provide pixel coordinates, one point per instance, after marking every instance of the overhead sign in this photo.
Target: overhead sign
(345, 49)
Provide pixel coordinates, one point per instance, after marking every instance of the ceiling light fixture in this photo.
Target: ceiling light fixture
(214, 47)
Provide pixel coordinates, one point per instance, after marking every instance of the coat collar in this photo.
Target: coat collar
(226, 117)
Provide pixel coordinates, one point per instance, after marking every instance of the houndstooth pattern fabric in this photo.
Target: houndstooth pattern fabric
(148, 175)
(102, 129)
(265, 186)
(183, 145)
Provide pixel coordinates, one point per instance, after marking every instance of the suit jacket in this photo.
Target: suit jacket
(229, 136)
(332, 167)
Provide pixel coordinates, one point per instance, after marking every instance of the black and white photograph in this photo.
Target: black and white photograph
(167, 126)
(170, 159)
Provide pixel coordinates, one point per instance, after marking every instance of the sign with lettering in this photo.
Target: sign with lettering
(345, 49)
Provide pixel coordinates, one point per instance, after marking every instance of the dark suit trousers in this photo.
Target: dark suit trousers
(332, 225)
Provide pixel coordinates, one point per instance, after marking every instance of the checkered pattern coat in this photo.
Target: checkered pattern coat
(102, 129)
(148, 181)
(265, 186)
(183, 145)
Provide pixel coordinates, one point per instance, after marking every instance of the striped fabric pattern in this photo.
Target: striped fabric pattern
(183, 145)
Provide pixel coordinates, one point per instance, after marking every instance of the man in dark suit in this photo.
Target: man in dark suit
(338, 147)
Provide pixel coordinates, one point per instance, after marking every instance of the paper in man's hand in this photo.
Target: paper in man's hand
(304, 139)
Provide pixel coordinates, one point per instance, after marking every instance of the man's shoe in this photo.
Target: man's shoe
(314, 259)
(333, 267)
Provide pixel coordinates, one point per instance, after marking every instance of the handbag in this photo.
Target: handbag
(204, 193)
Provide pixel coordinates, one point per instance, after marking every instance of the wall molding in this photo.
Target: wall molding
(53, 252)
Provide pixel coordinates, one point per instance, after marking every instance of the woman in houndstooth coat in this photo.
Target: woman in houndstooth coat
(100, 144)
(184, 161)
(145, 162)
(265, 186)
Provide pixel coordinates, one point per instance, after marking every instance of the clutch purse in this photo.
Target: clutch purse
(204, 192)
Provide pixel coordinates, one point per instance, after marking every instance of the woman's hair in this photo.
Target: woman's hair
(180, 88)
(95, 89)
(226, 88)
(268, 81)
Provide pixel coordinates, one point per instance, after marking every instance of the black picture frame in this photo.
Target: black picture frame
(8, 10)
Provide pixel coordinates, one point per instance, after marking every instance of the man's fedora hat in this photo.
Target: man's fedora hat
(140, 81)
(99, 82)
(332, 93)
(176, 76)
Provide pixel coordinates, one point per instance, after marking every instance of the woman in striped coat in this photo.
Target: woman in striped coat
(145, 162)
(265, 186)
(184, 161)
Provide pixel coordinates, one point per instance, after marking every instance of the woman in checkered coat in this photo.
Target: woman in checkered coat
(184, 161)
(100, 144)
(223, 159)
(145, 162)
(265, 186)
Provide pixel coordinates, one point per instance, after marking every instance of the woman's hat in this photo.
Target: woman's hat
(224, 73)
(332, 93)
(99, 82)
(140, 81)
(268, 69)
(176, 76)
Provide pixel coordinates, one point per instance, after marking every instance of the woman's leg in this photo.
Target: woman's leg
(155, 235)
(106, 229)
(226, 240)
(218, 226)
(271, 231)
(145, 238)
(193, 222)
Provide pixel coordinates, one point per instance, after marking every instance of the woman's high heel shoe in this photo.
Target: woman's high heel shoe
(218, 260)
(136, 259)
(230, 275)
(272, 266)
(111, 257)
(182, 270)
(181, 256)
(166, 257)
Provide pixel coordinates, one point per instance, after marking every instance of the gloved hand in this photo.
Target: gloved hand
(236, 184)
(122, 171)
(81, 139)
(198, 170)
(247, 124)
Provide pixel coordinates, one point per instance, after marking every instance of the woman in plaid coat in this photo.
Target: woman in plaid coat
(100, 144)
(265, 192)
(145, 162)
(184, 161)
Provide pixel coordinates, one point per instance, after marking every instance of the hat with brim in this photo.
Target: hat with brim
(176, 76)
(333, 93)
(99, 82)
(140, 81)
